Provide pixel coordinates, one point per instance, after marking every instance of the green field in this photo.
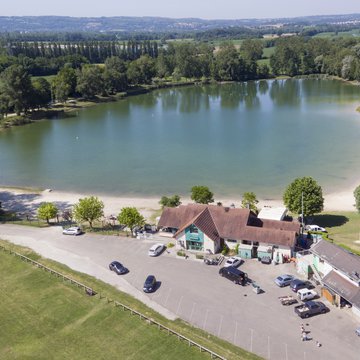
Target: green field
(43, 317)
(343, 227)
(350, 33)
(49, 78)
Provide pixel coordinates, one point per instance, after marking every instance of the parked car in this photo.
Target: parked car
(234, 274)
(74, 230)
(357, 331)
(150, 284)
(284, 280)
(156, 249)
(234, 261)
(310, 308)
(315, 228)
(118, 268)
(306, 294)
(297, 285)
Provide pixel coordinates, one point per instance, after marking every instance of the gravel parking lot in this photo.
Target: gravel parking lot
(196, 293)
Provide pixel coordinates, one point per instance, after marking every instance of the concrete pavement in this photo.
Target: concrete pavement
(196, 293)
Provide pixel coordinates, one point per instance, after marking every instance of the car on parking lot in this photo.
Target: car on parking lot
(357, 331)
(298, 284)
(73, 230)
(315, 228)
(234, 261)
(117, 267)
(235, 275)
(156, 249)
(150, 284)
(284, 280)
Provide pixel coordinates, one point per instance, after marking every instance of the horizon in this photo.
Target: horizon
(187, 9)
(182, 18)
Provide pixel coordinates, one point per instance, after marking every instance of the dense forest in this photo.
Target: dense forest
(90, 68)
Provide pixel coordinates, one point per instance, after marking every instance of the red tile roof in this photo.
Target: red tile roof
(237, 224)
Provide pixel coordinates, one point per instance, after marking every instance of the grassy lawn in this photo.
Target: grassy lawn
(267, 52)
(343, 227)
(43, 317)
(49, 78)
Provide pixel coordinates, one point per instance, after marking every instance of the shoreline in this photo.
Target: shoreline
(27, 200)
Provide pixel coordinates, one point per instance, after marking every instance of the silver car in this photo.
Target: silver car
(156, 249)
(74, 230)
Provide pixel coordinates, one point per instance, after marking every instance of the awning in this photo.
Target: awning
(263, 248)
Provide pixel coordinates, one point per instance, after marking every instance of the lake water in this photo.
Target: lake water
(255, 136)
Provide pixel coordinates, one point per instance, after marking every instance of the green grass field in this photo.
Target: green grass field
(45, 318)
(342, 227)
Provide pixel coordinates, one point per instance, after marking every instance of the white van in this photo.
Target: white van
(306, 294)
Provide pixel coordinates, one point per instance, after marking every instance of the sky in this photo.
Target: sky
(204, 9)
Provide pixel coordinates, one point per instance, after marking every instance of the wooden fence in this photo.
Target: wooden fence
(90, 291)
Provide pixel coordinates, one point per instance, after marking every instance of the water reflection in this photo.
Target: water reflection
(285, 92)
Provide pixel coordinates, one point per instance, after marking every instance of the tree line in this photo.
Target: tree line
(79, 78)
(78, 74)
(303, 56)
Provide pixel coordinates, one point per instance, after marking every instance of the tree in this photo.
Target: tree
(41, 93)
(357, 198)
(172, 201)
(47, 211)
(88, 209)
(115, 78)
(142, 70)
(16, 86)
(130, 217)
(64, 84)
(249, 201)
(90, 81)
(202, 194)
(304, 196)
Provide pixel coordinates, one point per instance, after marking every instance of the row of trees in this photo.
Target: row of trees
(302, 196)
(303, 56)
(18, 93)
(93, 51)
(91, 209)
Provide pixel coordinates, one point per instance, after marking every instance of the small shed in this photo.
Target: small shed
(273, 213)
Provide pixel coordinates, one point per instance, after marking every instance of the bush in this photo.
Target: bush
(225, 250)
(181, 253)
(200, 256)
(170, 245)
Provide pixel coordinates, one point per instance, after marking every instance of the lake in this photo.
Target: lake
(254, 136)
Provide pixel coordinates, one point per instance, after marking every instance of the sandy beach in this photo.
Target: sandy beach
(27, 201)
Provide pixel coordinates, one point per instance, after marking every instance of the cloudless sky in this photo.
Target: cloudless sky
(204, 9)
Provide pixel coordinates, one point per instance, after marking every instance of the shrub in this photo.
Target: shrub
(170, 245)
(200, 256)
(225, 250)
(181, 253)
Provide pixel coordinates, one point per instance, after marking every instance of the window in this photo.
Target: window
(231, 240)
(194, 229)
(246, 242)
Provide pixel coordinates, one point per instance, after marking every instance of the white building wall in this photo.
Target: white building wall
(211, 244)
(181, 239)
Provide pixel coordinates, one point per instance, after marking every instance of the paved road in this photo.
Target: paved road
(196, 293)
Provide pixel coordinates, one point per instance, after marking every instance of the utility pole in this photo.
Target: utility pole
(302, 212)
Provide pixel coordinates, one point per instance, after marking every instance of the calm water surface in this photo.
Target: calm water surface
(255, 136)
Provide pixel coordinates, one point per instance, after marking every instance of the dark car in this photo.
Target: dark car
(150, 284)
(297, 285)
(234, 274)
(118, 268)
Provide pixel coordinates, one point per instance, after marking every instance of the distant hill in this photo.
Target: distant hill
(155, 24)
